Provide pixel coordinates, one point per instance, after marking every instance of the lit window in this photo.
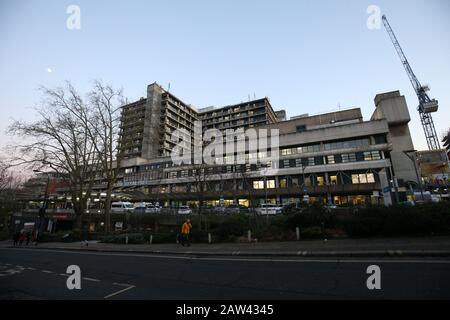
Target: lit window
(320, 181)
(370, 178)
(362, 178)
(330, 160)
(333, 179)
(270, 184)
(355, 179)
(258, 184)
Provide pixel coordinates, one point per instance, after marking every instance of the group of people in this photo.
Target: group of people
(25, 236)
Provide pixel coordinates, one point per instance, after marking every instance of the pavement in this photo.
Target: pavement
(383, 247)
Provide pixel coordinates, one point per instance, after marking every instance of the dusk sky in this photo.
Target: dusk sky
(306, 56)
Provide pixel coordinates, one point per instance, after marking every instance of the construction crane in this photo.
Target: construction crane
(426, 105)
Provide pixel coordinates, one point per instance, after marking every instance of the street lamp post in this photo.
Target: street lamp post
(413, 159)
(304, 165)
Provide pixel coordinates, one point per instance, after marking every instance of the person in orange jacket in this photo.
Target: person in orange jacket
(185, 231)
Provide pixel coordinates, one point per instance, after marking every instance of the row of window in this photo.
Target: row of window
(288, 163)
(283, 183)
(345, 144)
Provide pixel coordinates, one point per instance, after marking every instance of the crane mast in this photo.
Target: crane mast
(426, 105)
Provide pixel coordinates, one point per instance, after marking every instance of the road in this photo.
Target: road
(31, 273)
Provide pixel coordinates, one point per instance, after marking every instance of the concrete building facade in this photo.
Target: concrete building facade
(335, 157)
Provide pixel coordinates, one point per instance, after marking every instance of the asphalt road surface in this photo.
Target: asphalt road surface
(41, 274)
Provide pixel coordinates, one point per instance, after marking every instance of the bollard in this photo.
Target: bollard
(297, 232)
(151, 239)
(126, 239)
(249, 235)
(209, 238)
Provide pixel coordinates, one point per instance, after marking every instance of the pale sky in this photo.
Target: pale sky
(306, 56)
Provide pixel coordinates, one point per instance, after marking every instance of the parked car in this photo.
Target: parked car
(151, 208)
(120, 207)
(236, 208)
(184, 210)
(218, 209)
(269, 209)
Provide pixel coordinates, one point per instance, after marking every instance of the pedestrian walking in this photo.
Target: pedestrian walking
(21, 237)
(185, 231)
(16, 238)
(28, 237)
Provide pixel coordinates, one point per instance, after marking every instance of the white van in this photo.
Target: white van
(121, 207)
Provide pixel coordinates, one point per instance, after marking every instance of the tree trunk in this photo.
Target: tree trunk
(108, 209)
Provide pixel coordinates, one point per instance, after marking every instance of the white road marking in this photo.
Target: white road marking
(118, 292)
(91, 279)
(64, 274)
(30, 268)
(324, 260)
(122, 284)
(46, 271)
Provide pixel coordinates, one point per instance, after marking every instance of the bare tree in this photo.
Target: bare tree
(106, 103)
(10, 182)
(60, 140)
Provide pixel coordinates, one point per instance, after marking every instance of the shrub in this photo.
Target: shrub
(311, 217)
(312, 233)
(236, 225)
(423, 220)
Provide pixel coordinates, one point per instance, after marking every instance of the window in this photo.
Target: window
(363, 178)
(318, 160)
(333, 180)
(348, 157)
(330, 160)
(286, 164)
(172, 175)
(311, 161)
(283, 183)
(258, 184)
(376, 155)
(320, 181)
(298, 162)
(372, 155)
(301, 128)
(270, 184)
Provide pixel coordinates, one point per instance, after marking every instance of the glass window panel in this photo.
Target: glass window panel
(363, 178)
